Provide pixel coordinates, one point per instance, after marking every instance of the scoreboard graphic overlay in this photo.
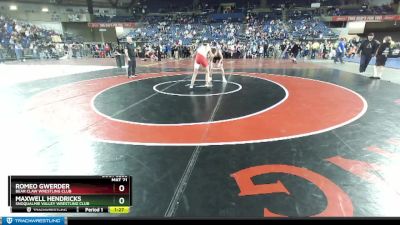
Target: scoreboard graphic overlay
(70, 194)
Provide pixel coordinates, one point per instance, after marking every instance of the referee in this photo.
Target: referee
(130, 56)
(367, 49)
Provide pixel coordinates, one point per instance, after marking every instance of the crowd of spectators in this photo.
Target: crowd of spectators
(268, 48)
(254, 27)
(250, 37)
(18, 39)
(22, 40)
(366, 10)
(176, 36)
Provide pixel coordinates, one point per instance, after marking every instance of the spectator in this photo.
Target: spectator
(340, 50)
(295, 49)
(2, 54)
(314, 50)
(18, 51)
(119, 56)
(107, 49)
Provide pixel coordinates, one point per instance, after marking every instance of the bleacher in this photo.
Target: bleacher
(234, 17)
(376, 10)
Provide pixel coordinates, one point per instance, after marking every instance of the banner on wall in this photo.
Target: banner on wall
(111, 25)
(374, 18)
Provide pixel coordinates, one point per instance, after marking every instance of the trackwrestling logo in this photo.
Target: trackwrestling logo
(33, 220)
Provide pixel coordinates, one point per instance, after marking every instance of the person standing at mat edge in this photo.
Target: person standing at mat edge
(340, 50)
(130, 57)
(367, 49)
(381, 57)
